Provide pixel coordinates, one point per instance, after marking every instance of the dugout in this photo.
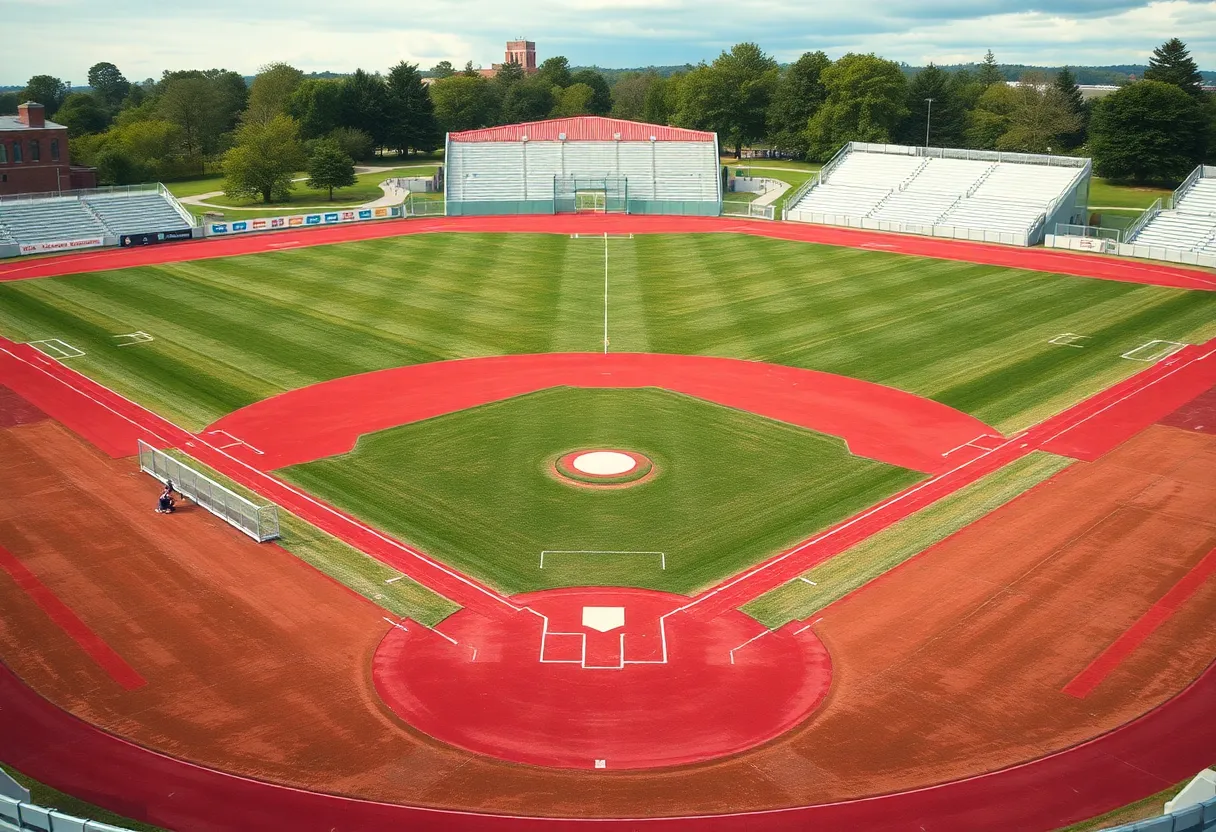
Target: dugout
(582, 164)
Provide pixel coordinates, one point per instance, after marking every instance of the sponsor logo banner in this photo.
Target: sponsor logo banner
(302, 220)
(151, 238)
(61, 245)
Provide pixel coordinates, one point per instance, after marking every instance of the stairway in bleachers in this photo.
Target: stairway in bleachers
(1189, 226)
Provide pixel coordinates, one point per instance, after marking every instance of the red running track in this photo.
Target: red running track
(878, 422)
(1059, 262)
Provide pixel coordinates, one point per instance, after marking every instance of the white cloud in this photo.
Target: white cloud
(144, 38)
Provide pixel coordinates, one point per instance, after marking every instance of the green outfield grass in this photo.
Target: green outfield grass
(232, 331)
(477, 490)
(835, 578)
(1112, 195)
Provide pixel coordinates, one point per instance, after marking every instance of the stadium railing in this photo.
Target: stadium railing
(18, 816)
(259, 522)
(1129, 234)
(956, 232)
(1108, 245)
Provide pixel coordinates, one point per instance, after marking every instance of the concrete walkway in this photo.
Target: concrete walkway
(392, 195)
(772, 194)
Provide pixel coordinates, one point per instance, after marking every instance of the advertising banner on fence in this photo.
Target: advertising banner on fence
(303, 220)
(153, 237)
(61, 245)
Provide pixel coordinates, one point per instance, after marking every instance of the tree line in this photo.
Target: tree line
(1154, 129)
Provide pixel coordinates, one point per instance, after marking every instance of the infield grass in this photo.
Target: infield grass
(231, 331)
(477, 489)
(838, 576)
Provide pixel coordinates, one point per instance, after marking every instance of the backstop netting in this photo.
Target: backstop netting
(259, 522)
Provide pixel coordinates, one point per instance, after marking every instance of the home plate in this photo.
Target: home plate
(603, 618)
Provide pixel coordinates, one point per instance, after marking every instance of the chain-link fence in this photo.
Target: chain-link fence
(259, 522)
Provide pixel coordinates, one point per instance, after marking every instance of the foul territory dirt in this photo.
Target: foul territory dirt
(950, 665)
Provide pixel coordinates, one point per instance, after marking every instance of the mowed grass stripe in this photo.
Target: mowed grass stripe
(476, 489)
(232, 331)
(837, 577)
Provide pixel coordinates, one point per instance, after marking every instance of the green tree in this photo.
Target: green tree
(196, 107)
(270, 92)
(108, 84)
(989, 72)
(263, 159)
(662, 98)
(529, 100)
(944, 116)
(443, 69)
(799, 94)
(227, 88)
(9, 102)
(317, 105)
(1171, 64)
(731, 96)
(410, 111)
(508, 75)
(354, 143)
(574, 100)
(865, 102)
(464, 102)
(46, 90)
(991, 117)
(364, 105)
(1041, 119)
(330, 167)
(1066, 85)
(556, 71)
(81, 113)
(601, 94)
(1149, 131)
(629, 95)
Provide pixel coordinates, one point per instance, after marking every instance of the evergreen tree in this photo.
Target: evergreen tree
(410, 113)
(944, 116)
(364, 105)
(1066, 85)
(1171, 63)
(989, 73)
(330, 167)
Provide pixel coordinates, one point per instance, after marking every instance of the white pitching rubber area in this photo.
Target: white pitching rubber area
(604, 463)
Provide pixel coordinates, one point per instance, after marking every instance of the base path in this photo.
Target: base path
(875, 421)
(1060, 262)
(602, 678)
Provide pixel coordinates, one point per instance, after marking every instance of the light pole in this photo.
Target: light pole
(928, 116)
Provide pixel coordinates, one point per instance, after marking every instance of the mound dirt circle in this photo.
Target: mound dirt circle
(603, 468)
(591, 678)
(604, 463)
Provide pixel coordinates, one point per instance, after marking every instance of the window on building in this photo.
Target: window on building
(54, 150)
(35, 151)
(17, 151)
(3, 153)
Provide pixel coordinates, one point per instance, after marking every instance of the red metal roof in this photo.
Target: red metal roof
(582, 129)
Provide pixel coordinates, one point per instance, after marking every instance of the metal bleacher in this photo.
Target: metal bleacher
(1190, 225)
(102, 213)
(975, 195)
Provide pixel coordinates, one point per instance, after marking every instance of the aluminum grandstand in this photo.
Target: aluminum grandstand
(588, 163)
(941, 192)
(37, 223)
(1189, 222)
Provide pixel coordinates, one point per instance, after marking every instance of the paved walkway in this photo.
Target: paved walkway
(392, 195)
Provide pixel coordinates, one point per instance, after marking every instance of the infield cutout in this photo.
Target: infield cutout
(56, 348)
(1069, 339)
(1154, 350)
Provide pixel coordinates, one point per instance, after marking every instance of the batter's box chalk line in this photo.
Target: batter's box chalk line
(56, 348)
(575, 553)
(137, 337)
(1069, 339)
(1154, 350)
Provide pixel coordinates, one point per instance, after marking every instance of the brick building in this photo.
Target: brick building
(34, 155)
(522, 52)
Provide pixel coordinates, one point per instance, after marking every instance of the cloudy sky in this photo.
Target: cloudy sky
(65, 37)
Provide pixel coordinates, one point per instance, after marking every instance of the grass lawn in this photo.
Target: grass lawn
(365, 189)
(231, 331)
(1107, 194)
(476, 490)
(857, 566)
(48, 798)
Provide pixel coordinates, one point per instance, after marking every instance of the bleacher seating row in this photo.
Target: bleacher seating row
(905, 188)
(98, 214)
(1189, 226)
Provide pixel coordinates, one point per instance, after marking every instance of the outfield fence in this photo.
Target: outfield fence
(259, 522)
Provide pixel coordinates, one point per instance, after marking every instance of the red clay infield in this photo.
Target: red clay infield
(1060, 262)
(655, 690)
(879, 422)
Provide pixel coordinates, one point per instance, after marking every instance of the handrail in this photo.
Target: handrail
(942, 215)
(82, 192)
(1129, 233)
(1186, 185)
(987, 172)
(908, 179)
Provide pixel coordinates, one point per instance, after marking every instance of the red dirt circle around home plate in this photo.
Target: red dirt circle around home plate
(610, 678)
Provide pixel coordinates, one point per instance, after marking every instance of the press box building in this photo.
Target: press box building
(586, 163)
